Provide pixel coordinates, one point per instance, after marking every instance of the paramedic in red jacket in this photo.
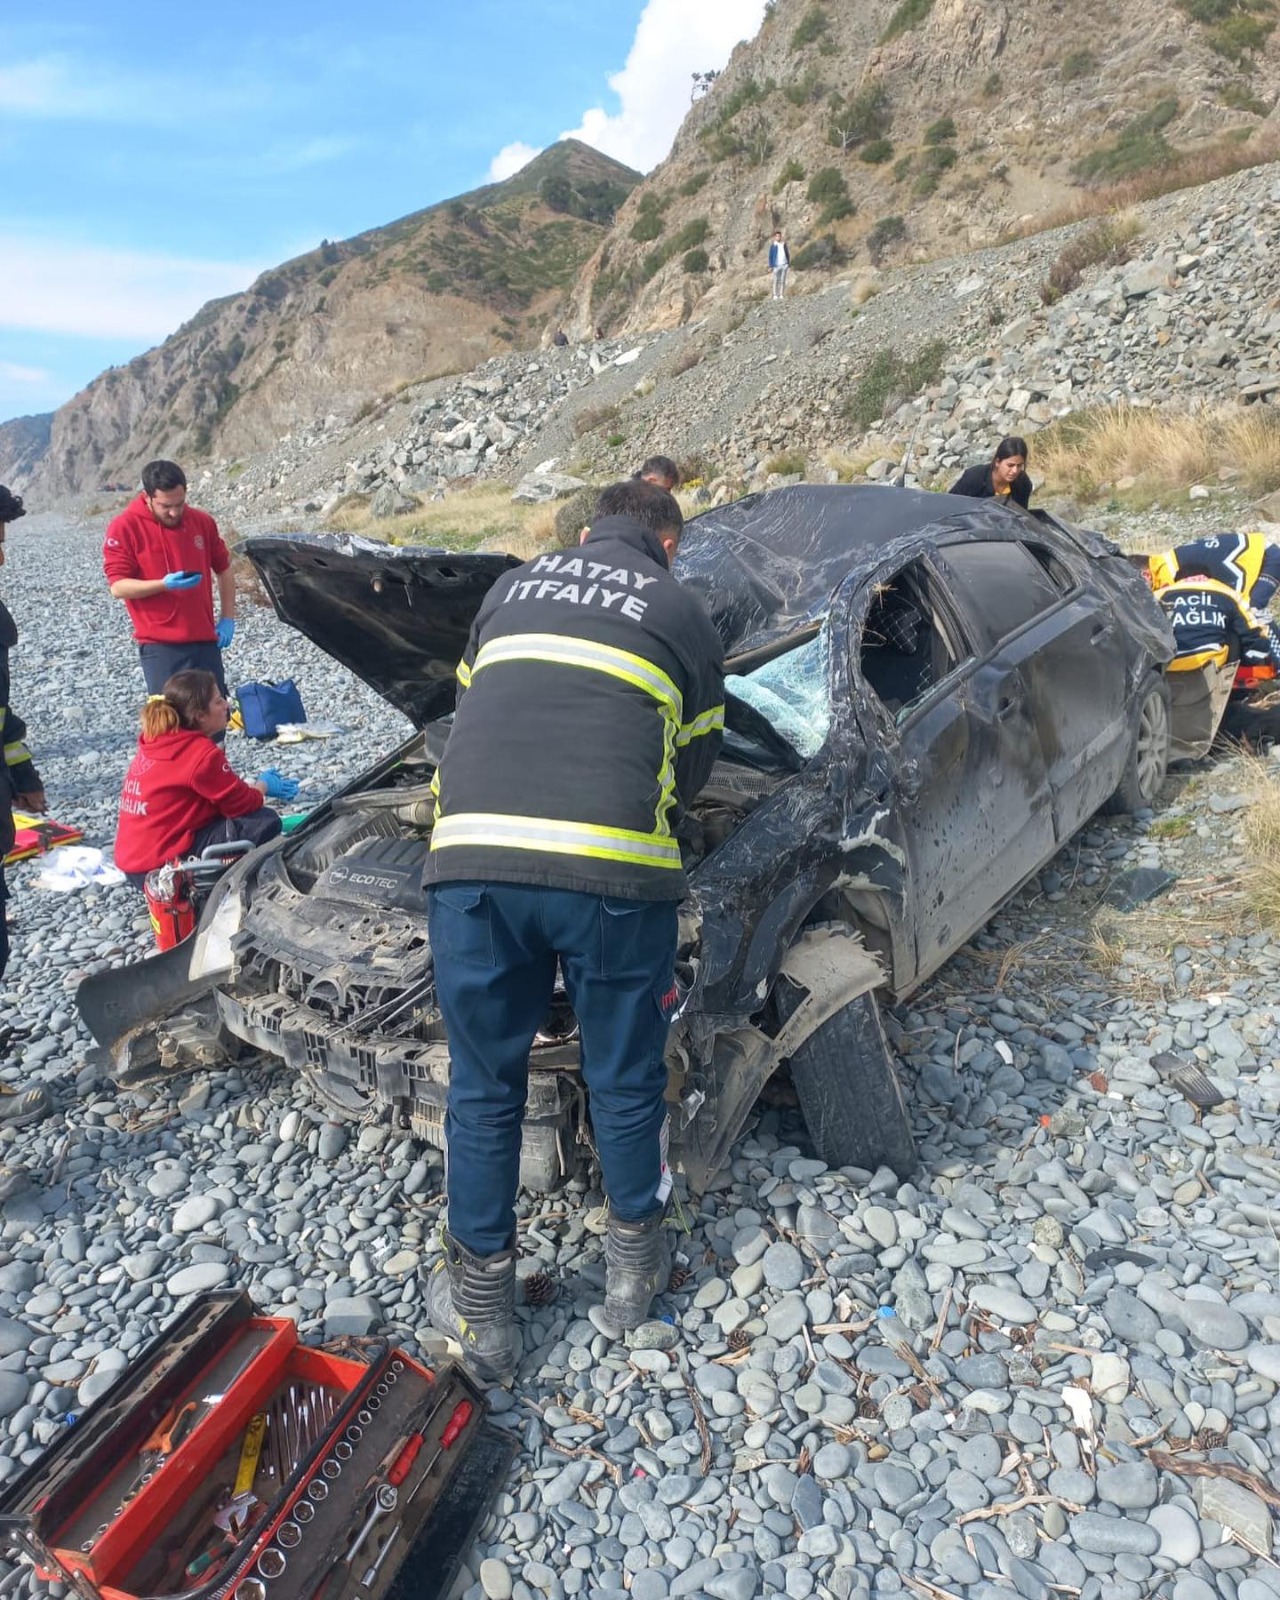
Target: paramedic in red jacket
(163, 558)
(180, 795)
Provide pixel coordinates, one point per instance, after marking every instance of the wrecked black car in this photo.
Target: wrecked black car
(927, 696)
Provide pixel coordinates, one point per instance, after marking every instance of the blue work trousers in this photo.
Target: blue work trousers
(496, 946)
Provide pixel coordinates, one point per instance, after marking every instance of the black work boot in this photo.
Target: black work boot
(473, 1300)
(637, 1258)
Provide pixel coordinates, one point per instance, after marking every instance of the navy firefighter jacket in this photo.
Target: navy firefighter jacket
(590, 710)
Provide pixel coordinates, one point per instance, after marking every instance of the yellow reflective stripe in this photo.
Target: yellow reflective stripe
(709, 722)
(561, 650)
(1163, 569)
(16, 753)
(560, 838)
(464, 674)
(1217, 657)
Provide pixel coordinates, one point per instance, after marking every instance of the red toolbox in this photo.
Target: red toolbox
(232, 1462)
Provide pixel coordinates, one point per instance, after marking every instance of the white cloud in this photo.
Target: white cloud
(510, 159)
(674, 39)
(61, 286)
(59, 87)
(12, 373)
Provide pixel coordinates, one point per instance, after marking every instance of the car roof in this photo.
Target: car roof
(768, 564)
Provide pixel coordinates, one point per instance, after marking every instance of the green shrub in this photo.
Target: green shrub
(836, 211)
(991, 85)
(910, 14)
(876, 152)
(792, 172)
(1237, 98)
(823, 254)
(647, 226)
(865, 115)
(941, 131)
(1138, 147)
(1237, 29)
(787, 464)
(827, 184)
(1240, 36)
(615, 439)
(692, 184)
(1110, 241)
(801, 91)
(902, 168)
(811, 28)
(938, 157)
(889, 377)
(888, 231)
(1079, 64)
(925, 185)
(691, 235)
(696, 261)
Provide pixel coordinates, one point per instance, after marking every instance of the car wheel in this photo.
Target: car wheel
(1148, 758)
(845, 1078)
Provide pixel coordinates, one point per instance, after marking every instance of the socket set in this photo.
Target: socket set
(232, 1462)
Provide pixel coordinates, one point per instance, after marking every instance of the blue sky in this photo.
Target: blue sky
(154, 156)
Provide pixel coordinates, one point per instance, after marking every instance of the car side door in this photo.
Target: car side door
(1038, 605)
(967, 789)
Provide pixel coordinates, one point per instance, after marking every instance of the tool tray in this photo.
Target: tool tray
(232, 1462)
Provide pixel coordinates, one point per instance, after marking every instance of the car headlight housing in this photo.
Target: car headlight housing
(223, 916)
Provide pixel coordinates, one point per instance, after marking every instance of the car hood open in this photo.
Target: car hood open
(398, 618)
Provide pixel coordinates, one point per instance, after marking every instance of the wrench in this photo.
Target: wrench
(385, 1501)
(371, 1573)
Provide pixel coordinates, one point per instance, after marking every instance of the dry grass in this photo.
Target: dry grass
(461, 521)
(1155, 453)
(1191, 169)
(1262, 840)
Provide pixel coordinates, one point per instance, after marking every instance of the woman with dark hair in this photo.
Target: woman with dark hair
(180, 795)
(1003, 477)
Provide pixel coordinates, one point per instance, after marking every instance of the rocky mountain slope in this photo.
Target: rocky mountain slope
(949, 355)
(23, 442)
(338, 328)
(896, 129)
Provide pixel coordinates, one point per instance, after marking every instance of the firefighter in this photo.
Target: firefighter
(590, 710)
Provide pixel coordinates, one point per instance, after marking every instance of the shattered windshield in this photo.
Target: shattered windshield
(793, 694)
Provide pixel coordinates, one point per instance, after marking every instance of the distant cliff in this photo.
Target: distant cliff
(337, 329)
(23, 442)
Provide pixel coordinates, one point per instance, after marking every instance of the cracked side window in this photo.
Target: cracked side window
(905, 650)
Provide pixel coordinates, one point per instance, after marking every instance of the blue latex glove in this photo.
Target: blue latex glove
(278, 786)
(182, 580)
(226, 632)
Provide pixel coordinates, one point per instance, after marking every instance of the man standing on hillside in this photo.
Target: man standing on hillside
(779, 263)
(162, 557)
(590, 710)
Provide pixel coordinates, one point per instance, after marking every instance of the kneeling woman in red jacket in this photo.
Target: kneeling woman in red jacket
(180, 795)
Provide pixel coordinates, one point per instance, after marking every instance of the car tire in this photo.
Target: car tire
(1148, 758)
(847, 1084)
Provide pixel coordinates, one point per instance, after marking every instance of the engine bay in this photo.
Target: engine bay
(372, 850)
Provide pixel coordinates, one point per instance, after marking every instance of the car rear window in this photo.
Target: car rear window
(1001, 585)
